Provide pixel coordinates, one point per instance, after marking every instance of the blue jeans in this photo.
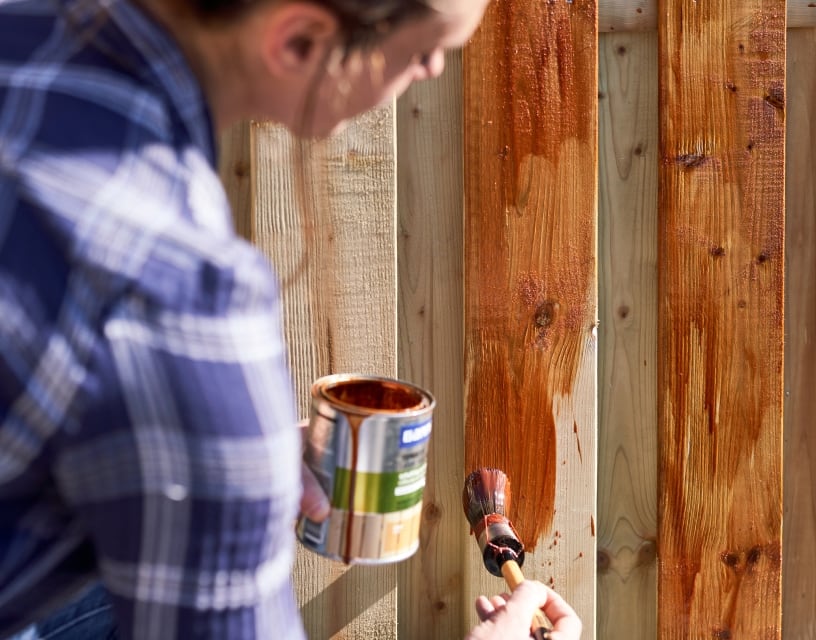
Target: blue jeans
(89, 617)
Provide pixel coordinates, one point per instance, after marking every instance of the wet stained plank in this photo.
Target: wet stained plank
(530, 165)
(720, 315)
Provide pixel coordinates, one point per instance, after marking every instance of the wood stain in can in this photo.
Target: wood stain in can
(367, 445)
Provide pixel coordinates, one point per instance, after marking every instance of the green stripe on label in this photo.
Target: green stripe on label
(379, 492)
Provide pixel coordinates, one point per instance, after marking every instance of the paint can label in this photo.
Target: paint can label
(367, 445)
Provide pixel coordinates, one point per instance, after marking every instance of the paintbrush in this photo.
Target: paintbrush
(486, 501)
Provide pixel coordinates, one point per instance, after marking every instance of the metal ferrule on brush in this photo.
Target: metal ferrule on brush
(498, 542)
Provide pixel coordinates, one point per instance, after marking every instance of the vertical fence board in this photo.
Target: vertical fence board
(627, 433)
(721, 300)
(530, 77)
(339, 316)
(429, 186)
(799, 566)
(234, 167)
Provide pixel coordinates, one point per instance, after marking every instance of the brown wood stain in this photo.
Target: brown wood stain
(375, 395)
(531, 126)
(721, 296)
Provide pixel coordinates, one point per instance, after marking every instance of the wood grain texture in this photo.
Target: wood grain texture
(799, 558)
(627, 438)
(530, 90)
(642, 15)
(234, 168)
(720, 337)
(339, 310)
(429, 186)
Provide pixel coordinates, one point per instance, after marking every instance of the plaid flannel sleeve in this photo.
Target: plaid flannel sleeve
(186, 468)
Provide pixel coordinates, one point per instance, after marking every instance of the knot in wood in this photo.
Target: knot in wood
(776, 96)
(432, 513)
(604, 561)
(545, 314)
(691, 160)
(730, 559)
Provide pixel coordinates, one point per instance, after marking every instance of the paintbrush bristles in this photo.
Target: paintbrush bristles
(487, 491)
(486, 499)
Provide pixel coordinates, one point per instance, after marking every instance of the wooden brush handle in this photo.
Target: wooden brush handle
(513, 577)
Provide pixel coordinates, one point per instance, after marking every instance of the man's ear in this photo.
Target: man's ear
(296, 36)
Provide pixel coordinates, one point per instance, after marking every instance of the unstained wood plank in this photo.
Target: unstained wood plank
(429, 179)
(234, 168)
(530, 89)
(720, 336)
(799, 557)
(335, 251)
(627, 434)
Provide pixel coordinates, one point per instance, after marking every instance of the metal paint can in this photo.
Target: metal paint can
(367, 444)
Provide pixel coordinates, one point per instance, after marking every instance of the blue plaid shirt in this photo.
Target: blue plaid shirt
(147, 428)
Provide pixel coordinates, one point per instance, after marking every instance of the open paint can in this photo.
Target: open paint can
(367, 444)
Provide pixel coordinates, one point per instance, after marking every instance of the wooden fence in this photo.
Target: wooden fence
(606, 322)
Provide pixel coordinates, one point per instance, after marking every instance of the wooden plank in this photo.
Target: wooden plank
(339, 315)
(721, 300)
(799, 559)
(234, 167)
(641, 15)
(530, 86)
(429, 179)
(627, 445)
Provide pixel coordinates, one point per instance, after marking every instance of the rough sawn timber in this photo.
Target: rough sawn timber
(530, 87)
(720, 317)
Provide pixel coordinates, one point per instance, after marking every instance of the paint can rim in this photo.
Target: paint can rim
(322, 387)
